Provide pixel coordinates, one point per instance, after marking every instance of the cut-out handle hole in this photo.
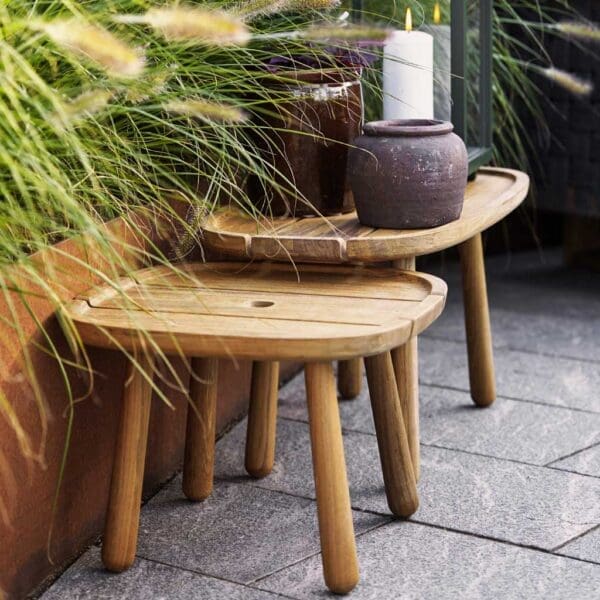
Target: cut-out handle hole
(261, 303)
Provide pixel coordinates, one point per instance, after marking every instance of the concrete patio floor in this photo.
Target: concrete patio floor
(510, 495)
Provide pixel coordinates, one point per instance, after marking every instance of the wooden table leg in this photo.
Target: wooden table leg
(123, 516)
(262, 418)
(350, 378)
(198, 464)
(392, 439)
(340, 563)
(406, 367)
(477, 322)
(405, 360)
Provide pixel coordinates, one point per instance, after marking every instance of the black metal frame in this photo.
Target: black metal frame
(481, 153)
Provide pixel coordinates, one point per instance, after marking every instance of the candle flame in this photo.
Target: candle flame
(437, 14)
(409, 24)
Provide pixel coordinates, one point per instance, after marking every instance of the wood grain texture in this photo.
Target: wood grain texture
(123, 515)
(406, 368)
(350, 374)
(477, 322)
(340, 564)
(199, 456)
(262, 418)
(392, 440)
(263, 311)
(488, 199)
(405, 360)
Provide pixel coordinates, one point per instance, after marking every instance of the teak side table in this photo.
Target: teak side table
(263, 312)
(492, 195)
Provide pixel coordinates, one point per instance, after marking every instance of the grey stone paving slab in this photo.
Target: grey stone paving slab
(536, 303)
(586, 462)
(511, 429)
(146, 580)
(548, 380)
(408, 561)
(356, 414)
(240, 533)
(587, 547)
(519, 503)
(543, 333)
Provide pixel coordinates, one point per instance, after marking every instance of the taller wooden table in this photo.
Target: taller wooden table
(342, 239)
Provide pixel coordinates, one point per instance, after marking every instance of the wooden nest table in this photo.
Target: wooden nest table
(492, 195)
(266, 313)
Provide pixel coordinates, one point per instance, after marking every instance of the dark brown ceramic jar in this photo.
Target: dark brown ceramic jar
(408, 174)
(305, 140)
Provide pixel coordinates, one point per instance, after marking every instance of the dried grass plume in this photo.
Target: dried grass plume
(192, 24)
(96, 44)
(207, 110)
(580, 30)
(568, 81)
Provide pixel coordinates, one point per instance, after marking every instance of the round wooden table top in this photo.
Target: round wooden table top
(341, 239)
(260, 311)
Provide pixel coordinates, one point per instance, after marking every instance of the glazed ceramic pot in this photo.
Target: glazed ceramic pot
(305, 139)
(408, 174)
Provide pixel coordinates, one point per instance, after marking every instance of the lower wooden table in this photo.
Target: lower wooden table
(262, 312)
(342, 239)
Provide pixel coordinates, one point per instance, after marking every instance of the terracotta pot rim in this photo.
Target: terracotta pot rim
(408, 128)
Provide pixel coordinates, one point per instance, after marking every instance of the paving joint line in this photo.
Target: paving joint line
(573, 472)
(510, 348)
(470, 452)
(572, 454)
(578, 536)
(551, 552)
(514, 398)
(210, 576)
(357, 535)
(392, 519)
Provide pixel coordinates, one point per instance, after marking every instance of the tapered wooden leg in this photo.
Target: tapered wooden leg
(340, 564)
(262, 418)
(477, 323)
(406, 368)
(122, 519)
(394, 450)
(199, 460)
(349, 378)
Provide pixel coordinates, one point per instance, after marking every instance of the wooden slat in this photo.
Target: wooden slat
(240, 228)
(319, 250)
(264, 305)
(306, 279)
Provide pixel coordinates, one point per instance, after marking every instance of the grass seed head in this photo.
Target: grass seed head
(358, 33)
(191, 24)
(206, 110)
(86, 104)
(253, 9)
(568, 81)
(96, 44)
(580, 30)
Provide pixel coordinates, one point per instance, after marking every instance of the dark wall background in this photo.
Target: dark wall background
(569, 176)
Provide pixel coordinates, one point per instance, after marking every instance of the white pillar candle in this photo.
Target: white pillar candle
(408, 76)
